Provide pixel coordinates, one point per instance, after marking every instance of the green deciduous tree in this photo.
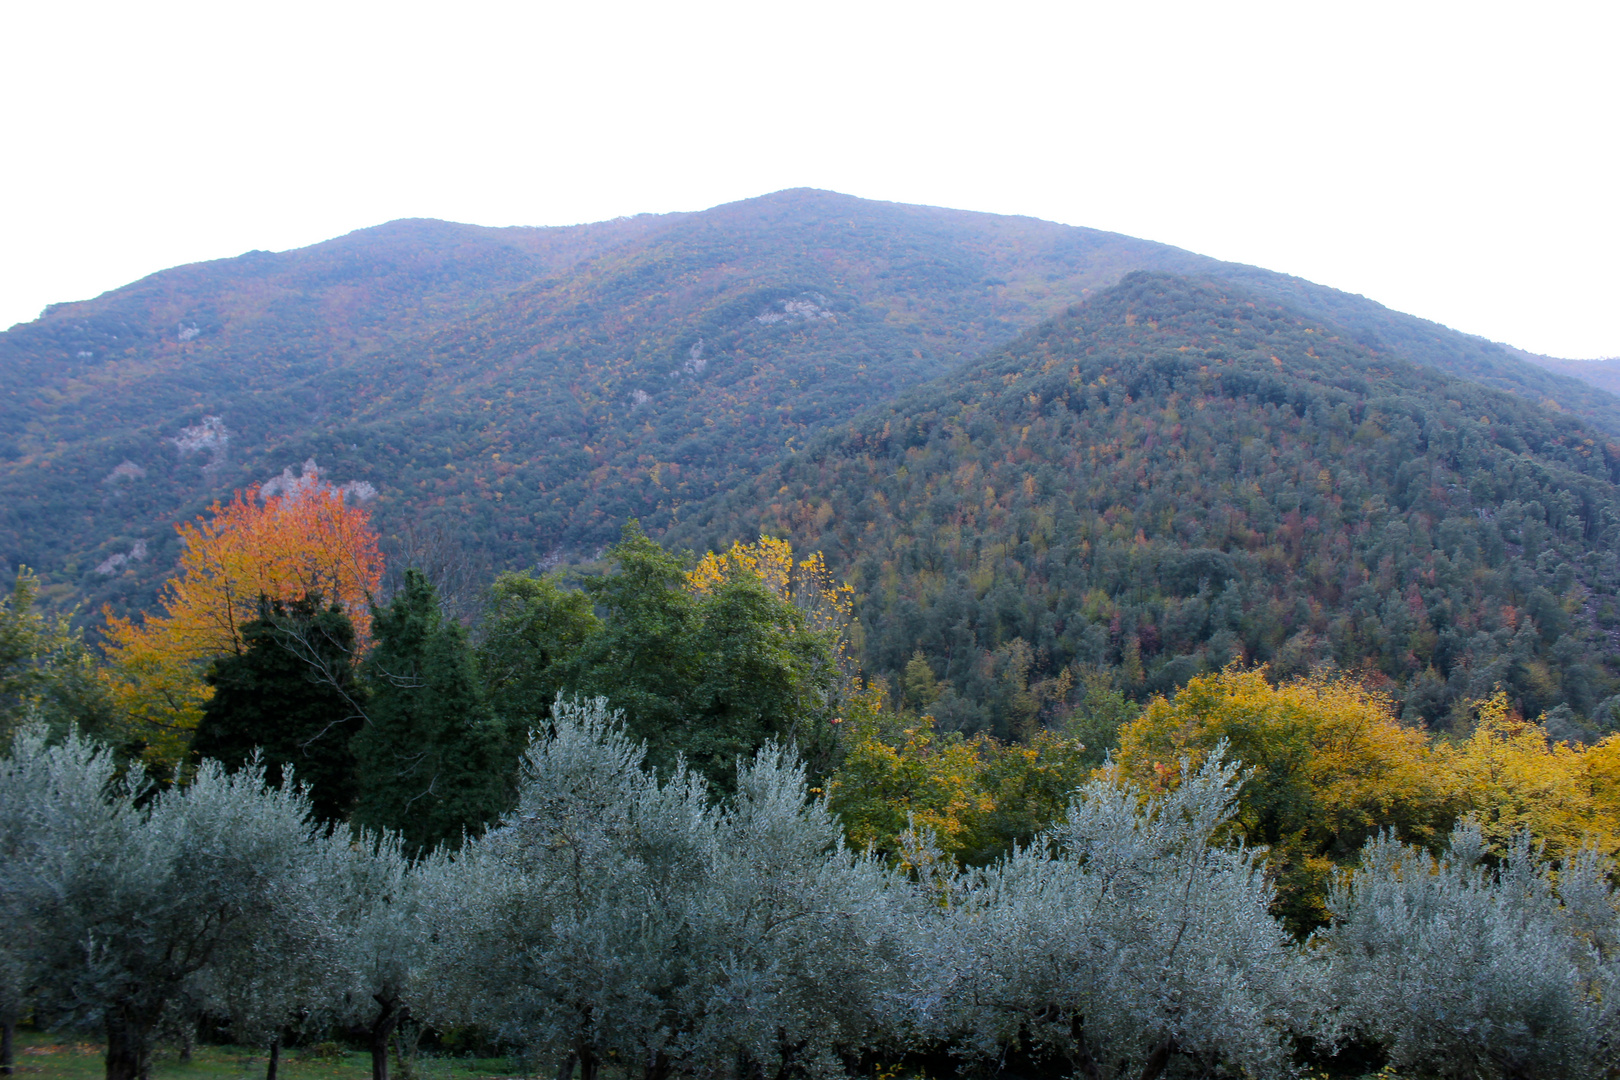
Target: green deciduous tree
(643, 659)
(44, 666)
(529, 641)
(706, 667)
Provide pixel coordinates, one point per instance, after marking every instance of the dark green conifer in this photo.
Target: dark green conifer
(291, 694)
(432, 762)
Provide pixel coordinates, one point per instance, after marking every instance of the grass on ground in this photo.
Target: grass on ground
(68, 1056)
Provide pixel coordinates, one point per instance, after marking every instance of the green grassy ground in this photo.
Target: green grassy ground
(48, 1056)
(43, 1056)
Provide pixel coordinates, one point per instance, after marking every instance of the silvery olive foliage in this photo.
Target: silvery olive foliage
(618, 918)
(629, 917)
(796, 942)
(130, 909)
(55, 820)
(1462, 969)
(385, 959)
(1125, 941)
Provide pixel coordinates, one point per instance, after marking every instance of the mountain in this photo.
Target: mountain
(1603, 374)
(1181, 473)
(530, 389)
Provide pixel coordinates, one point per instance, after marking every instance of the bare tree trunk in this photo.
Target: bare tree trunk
(1085, 1066)
(388, 1017)
(658, 1067)
(789, 1053)
(188, 1035)
(403, 1058)
(1158, 1060)
(129, 1057)
(588, 1065)
(1514, 1069)
(8, 1036)
(565, 1071)
(275, 1057)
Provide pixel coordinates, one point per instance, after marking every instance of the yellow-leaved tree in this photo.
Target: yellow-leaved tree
(1510, 777)
(306, 543)
(808, 585)
(1331, 766)
(909, 777)
(825, 607)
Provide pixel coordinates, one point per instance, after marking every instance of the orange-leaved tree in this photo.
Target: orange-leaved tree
(308, 542)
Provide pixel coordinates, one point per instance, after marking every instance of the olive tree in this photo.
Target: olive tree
(1462, 969)
(128, 909)
(385, 932)
(1125, 939)
(618, 915)
(795, 946)
(60, 808)
(571, 903)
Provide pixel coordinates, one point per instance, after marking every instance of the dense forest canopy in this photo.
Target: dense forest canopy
(1176, 475)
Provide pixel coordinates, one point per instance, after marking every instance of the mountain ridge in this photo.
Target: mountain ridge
(532, 388)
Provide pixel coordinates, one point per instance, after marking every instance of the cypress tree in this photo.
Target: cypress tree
(432, 760)
(291, 694)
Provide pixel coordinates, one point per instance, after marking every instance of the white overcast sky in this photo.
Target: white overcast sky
(1458, 161)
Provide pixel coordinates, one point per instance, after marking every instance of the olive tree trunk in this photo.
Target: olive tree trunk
(389, 1014)
(129, 1046)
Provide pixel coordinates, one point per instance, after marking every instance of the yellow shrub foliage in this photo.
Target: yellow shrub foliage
(979, 796)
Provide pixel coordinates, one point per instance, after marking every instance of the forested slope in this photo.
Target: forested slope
(528, 390)
(1177, 474)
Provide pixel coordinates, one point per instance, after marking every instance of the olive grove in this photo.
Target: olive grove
(626, 919)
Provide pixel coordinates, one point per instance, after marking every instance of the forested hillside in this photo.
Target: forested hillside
(1178, 474)
(528, 390)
